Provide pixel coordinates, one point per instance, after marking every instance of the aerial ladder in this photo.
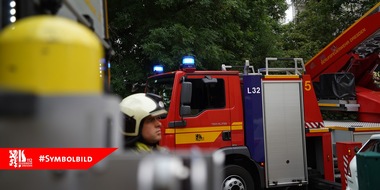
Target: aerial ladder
(352, 61)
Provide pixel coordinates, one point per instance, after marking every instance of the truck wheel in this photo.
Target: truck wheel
(237, 178)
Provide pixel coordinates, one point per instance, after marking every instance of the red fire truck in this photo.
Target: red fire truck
(256, 119)
(268, 123)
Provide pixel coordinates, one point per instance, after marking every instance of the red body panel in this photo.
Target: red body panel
(345, 153)
(328, 161)
(313, 116)
(168, 137)
(369, 110)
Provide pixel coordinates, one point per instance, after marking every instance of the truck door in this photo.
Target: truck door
(284, 132)
(208, 125)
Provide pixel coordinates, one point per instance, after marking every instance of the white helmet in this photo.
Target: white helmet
(136, 107)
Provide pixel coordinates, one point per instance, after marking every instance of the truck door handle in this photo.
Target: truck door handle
(226, 135)
(174, 124)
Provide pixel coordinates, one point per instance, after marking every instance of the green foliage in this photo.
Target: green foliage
(147, 32)
(144, 33)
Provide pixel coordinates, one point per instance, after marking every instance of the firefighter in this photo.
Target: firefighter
(142, 128)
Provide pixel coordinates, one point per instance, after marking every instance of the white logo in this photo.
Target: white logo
(18, 159)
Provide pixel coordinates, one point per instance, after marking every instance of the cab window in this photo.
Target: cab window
(372, 146)
(207, 96)
(163, 86)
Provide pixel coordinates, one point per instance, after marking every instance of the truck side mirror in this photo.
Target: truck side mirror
(186, 98)
(356, 149)
(186, 93)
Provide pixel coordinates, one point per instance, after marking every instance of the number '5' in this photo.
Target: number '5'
(307, 85)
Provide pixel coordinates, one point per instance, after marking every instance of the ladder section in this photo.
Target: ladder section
(361, 38)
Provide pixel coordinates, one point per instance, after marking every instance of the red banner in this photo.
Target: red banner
(51, 158)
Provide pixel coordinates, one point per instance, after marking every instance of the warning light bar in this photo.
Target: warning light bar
(188, 64)
(157, 69)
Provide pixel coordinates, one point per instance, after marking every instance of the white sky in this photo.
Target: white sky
(289, 12)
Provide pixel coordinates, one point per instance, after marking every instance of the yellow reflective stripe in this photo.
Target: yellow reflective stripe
(367, 129)
(328, 105)
(169, 131)
(355, 129)
(190, 138)
(202, 129)
(281, 76)
(337, 128)
(238, 127)
(319, 130)
(237, 123)
(234, 126)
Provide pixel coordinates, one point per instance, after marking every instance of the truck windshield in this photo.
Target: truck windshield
(161, 85)
(372, 145)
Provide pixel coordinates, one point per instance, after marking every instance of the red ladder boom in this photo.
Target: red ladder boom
(357, 51)
(336, 54)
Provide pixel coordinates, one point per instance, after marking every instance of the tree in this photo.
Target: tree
(319, 23)
(148, 32)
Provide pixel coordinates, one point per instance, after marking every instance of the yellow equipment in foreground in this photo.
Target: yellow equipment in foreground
(49, 55)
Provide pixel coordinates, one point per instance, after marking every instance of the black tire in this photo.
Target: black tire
(237, 178)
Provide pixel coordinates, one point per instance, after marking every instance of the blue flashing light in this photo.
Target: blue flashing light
(188, 62)
(158, 69)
